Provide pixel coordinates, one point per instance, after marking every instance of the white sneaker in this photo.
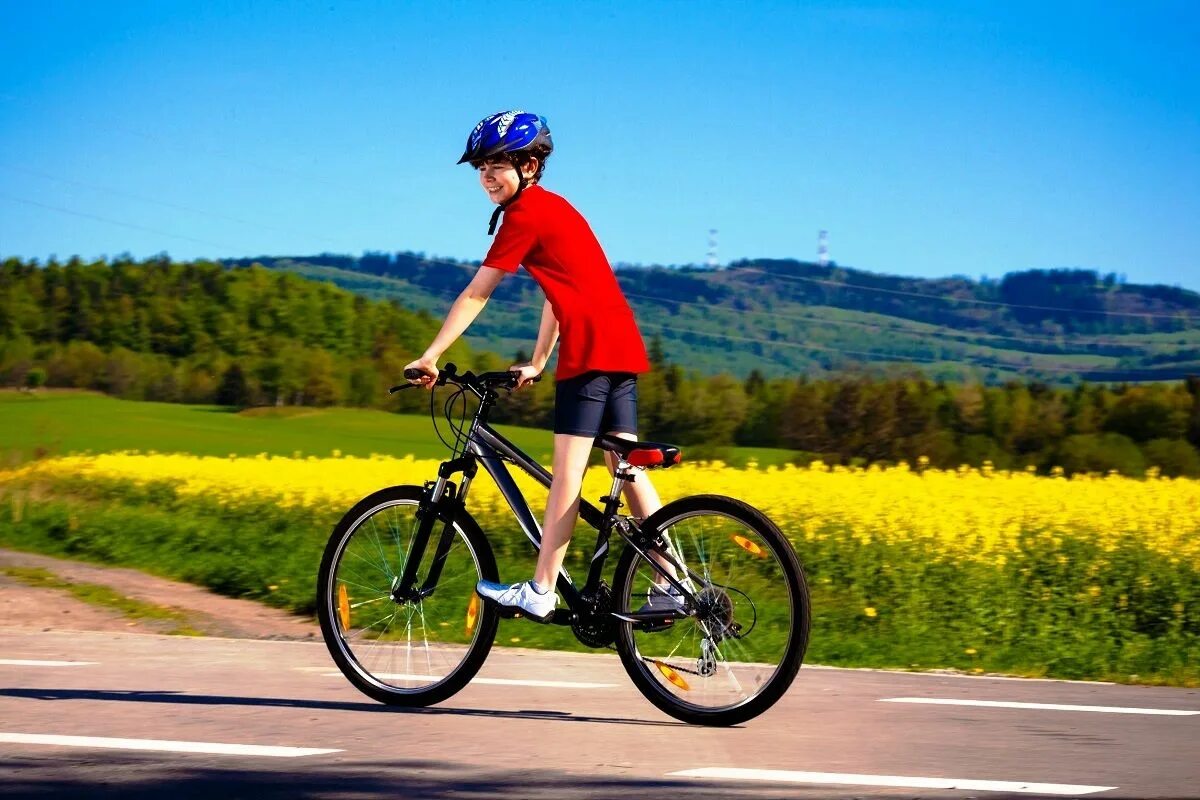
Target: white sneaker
(662, 597)
(520, 598)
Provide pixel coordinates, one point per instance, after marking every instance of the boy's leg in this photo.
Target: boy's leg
(562, 506)
(641, 496)
(639, 493)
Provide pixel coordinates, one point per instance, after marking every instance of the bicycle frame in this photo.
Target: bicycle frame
(488, 447)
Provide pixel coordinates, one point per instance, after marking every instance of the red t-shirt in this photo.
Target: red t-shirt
(543, 232)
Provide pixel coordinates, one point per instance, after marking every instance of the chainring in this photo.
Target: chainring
(597, 627)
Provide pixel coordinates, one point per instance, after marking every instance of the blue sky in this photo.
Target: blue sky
(928, 138)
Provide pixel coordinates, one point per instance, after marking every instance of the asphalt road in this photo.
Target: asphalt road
(555, 725)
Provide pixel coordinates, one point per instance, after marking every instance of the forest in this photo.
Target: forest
(784, 317)
(205, 332)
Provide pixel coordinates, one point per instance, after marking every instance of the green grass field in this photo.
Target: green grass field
(52, 423)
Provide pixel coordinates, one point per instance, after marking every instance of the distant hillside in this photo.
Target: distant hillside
(784, 317)
(202, 332)
(199, 332)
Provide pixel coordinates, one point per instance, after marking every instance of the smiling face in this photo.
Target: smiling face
(500, 179)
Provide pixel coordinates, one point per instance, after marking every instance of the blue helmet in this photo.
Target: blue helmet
(506, 132)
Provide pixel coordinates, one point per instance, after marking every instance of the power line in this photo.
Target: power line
(939, 331)
(957, 336)
(330, 182)
(888, 356)
(858, 287)
(163, 203)
(869, 354)
(109, 221)
(804, 346)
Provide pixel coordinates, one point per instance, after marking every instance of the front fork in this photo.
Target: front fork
(440, 501)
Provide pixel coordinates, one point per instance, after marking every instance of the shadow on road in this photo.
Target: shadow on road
(179, 698)
(137, 777)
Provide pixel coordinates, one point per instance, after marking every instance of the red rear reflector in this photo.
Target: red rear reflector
(645, 458)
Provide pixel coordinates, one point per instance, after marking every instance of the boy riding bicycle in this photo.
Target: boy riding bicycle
(601, 351)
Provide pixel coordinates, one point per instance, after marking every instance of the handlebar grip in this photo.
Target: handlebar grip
(413, 373)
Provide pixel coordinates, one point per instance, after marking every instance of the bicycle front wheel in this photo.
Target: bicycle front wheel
(739, 648)
(410, 653)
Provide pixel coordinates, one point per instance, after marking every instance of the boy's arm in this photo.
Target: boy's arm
(464, 311)
(547, 337)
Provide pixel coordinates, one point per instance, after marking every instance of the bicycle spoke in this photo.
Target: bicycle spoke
(358, 585)
(740, 582)
(432, 635)
(371, 564)
(368, 602)
(379, 547)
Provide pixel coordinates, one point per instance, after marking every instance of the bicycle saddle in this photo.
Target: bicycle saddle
(640, 454)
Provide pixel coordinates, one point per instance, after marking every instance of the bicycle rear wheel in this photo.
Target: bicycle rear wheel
(739, 649)
(404, 653)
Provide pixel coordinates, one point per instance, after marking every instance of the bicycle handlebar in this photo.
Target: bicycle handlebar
(482, 382)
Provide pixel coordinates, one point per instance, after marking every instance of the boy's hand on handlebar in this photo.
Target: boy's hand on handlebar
(526, 373)
(428, 369)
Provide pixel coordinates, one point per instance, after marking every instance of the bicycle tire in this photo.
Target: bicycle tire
(642, 668)
(335, 616)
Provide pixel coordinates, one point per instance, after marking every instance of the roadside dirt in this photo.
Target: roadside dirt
(33, 608)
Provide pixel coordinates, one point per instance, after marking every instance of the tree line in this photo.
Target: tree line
(199, 332)
(853, 419)
(789, 317)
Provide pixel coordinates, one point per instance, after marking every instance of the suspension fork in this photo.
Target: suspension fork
(439, 501)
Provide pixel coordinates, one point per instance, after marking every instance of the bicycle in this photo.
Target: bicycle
(403, 623)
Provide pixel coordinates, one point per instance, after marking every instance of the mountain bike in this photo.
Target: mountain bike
(400, 616)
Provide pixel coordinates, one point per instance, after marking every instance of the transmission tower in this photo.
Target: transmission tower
(823, 248)
(712, 248)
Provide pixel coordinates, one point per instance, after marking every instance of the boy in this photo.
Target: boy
(602, 351)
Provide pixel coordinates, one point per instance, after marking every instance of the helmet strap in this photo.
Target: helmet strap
(500, 208)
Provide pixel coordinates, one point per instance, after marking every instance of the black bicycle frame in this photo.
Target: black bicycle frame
(488, 447)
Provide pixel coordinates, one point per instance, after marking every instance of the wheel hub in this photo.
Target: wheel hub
(715, 611)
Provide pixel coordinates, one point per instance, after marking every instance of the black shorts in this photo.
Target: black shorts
(595, 403)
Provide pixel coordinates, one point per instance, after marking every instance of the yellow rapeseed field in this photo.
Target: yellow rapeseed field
(979, 569)
(965, 514)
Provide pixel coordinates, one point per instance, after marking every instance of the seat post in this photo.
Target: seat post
(621, 473)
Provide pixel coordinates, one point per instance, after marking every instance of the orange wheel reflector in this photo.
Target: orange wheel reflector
(472, 613)
(343, 606)
(673, 676)
(749, 546)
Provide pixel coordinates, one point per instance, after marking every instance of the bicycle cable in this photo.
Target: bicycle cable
(447, 412)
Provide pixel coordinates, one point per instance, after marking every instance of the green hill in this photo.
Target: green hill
(200, 333)
(786, 318)
(61, 422)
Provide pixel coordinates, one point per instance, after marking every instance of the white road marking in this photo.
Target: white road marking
(944, 673)
(397, 676)
(945, 701)
(25, 662)
(901, 781)
(163, 745)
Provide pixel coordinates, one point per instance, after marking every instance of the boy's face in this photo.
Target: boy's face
(500, 179)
